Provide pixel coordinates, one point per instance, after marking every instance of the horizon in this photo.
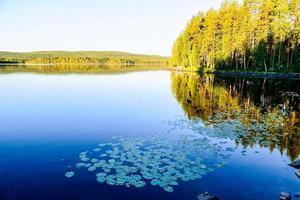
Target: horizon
(71, 51)
(150, 27)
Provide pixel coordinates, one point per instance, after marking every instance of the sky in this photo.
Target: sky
(137, 26)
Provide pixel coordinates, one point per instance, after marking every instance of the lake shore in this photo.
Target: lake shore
(257, 74)
(254, 74)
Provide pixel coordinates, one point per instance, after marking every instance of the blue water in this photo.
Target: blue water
(47, 120)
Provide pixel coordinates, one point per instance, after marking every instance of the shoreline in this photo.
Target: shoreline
(250, 74)
(81, 64)
(253, 74)
(257, 74)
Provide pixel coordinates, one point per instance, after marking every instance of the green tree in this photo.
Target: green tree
(253, 35)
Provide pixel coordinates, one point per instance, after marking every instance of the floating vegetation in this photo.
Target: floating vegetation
(69, 174)
(97, 149)
(265, 131)
(166, 161)
(157, 161)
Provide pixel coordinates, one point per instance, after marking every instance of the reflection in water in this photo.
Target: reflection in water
(50, 126)
(251, 111)
(78, 69)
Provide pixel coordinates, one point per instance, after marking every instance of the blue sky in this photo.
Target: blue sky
(138, 26)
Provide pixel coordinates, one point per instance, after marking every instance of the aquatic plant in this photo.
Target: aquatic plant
(161, 161)
(69, 174)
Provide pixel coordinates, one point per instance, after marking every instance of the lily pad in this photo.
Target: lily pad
(69, 174)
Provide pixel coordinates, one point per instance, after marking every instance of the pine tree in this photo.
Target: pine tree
(253, 35)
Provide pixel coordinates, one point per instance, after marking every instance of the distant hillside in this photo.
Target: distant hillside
(84, 57)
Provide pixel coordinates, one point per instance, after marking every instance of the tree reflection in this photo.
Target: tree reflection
(268, 109)
(76, 68)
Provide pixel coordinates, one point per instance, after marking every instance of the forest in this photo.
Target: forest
(254, 35)
(82, 57)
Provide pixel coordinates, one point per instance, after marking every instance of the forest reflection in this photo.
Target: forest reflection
(267, 109)
(76, 68)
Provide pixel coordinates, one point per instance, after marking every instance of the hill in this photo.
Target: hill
(86, 57)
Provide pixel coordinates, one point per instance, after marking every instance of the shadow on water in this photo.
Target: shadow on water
(262, 111)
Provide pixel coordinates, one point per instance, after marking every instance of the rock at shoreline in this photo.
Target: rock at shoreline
(295, 164)
(285, 196)
(297, 173)
(207, 196)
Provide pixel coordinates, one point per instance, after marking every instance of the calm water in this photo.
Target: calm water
(230, 136)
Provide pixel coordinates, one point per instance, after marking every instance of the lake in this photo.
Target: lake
(146, 135)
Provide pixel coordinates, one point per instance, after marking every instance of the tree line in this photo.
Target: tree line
(260, 35)
(99, 61)
(82, 57)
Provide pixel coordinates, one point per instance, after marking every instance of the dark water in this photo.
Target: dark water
(230, 136)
